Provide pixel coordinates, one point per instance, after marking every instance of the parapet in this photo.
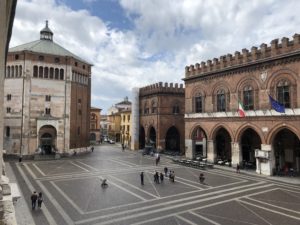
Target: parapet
(157, 88)
(241, 58)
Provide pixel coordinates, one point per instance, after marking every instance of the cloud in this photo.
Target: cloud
(167, 35)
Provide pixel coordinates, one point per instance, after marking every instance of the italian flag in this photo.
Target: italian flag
(241, 110)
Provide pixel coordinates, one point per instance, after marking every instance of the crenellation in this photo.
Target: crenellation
(162, 88)
(276, 48)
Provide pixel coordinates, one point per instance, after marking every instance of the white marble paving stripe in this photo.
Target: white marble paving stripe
(135, 187)
(205, 218)
(152, 183)
(124, 163)
(87, 165)
(84, 169)
(185, 220)
(270, 210)
(275, 206)
(173, 204)
(38, 169)
(29, 171)
(46, 212)
(124, 189)
(67, 198)
(177, 179)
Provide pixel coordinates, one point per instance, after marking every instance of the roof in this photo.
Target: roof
(46, 47)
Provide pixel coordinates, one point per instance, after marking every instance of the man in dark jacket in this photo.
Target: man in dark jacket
(33, 199)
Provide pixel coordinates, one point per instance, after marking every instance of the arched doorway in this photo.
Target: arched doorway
(93, 137)
(286, 147)
(250, 141)
(223, 145)
(173, 140)
(142, 138)
(47, 139)
(152, 137)
(199, 143)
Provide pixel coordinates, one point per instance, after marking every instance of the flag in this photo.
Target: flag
(241, 110)
(276, 105)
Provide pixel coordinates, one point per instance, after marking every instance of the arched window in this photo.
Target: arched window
(41, 72)
(16, 71)
(46, 72)
(283, 93)
(176, 108)
(7, 131)
(248, 101)
(198, 103)
(56, 74)
(12, 71)
(20, 71)
(35, 71)
(61, 74)
(8, 71)
(146, 108)
(51, 73)
(221, 101)
(153, 107)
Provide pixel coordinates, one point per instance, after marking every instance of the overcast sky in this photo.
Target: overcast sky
(134, 43)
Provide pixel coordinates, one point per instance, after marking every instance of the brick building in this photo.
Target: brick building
(95, 131)
(161, 117)
(47, 98)
(213, 127)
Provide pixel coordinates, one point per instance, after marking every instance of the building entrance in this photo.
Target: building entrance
(173, 140)
(223, 145)
(47, 139)
(249, 142)
(142, 138)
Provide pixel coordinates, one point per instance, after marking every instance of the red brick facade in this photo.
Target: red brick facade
(162, 116)
(250, 78)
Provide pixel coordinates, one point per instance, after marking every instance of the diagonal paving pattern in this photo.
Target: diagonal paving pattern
(73, 194)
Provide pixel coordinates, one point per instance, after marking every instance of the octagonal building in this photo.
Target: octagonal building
(47, 98)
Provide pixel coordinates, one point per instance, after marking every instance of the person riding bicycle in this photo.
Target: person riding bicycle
(104, 184)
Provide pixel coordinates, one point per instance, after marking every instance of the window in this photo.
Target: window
(61, 74)
(283, 93)
(46, 72)
(221, 101)
(40, 72)
(16, 57)
(83, 67)
(198, 103)
(56, 60)
(48, 98)
(128, 128)
(8, 110)
(79, 112)
(41, 58)
(146, 109)
(7, 131)
(76, 64)
(56, 73)
(20, 71)
(175, 109)
(128, 118)
(47, 111)
(51, 73)
(248, 98)
(8, 97)
(35, 71)
(78, 131)
(8, 71)
(153, 107)
(79, 101)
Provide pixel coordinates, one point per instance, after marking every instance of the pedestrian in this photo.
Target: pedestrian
(123, 147)
(40, 200)
(166, 171)
(201, 178)
(161, 177)
(157, 177)
(238, 168)
(142, 178)
(33, 199)
(92, 148)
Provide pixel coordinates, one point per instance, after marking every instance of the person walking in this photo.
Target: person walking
(33, 199)
(166, 171)
(161, 177)
(157, 177)
(92, 148)
(201, 178)
(142, 178)
(238, 168)
(40, 200)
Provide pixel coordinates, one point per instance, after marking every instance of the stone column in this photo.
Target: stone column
(204, 146)
(236, 153)
(265, 166)
(135, 121)
(189, 148)
(211, 153)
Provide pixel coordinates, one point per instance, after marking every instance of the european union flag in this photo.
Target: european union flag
(276, 105)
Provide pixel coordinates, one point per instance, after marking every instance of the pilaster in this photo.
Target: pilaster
(236, 154)
(189, 148)
(211, 153)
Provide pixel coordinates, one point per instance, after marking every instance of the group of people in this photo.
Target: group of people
(159, 177)
(36, 198)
